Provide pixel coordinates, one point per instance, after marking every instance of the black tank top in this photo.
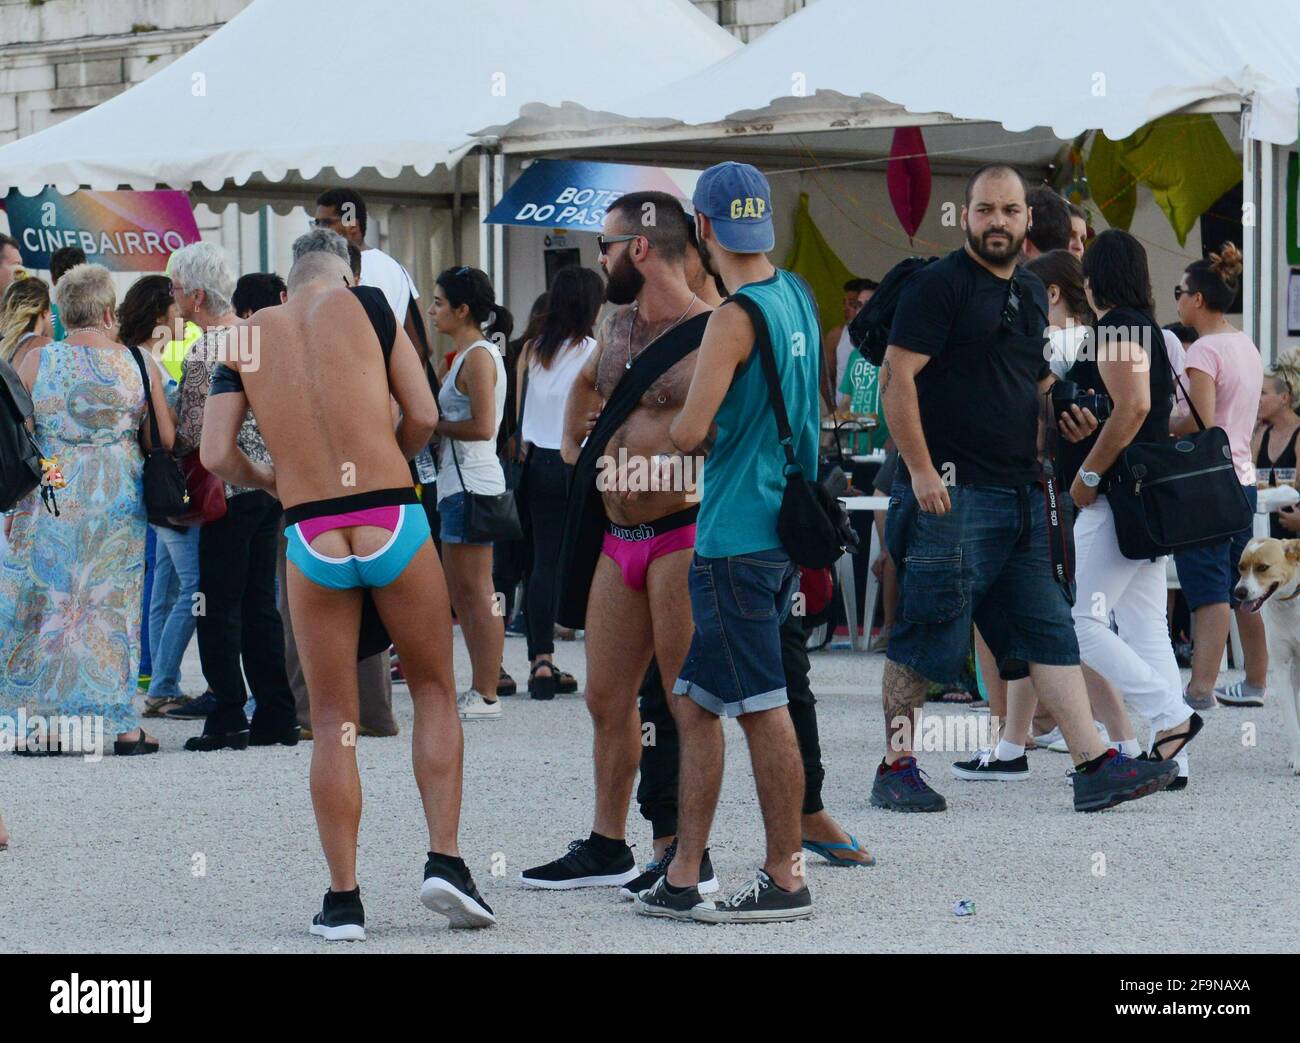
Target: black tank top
(1286, 458)
(1117, 326)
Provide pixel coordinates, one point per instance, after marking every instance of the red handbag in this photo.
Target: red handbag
(207, 493)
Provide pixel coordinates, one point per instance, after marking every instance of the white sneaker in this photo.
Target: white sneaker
(473, 707)
(1050, 741)
(1059, 745)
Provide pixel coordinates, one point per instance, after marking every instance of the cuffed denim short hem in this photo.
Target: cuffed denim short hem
(734, 665)
(1208, 575)
(451, 521)
(750, 704)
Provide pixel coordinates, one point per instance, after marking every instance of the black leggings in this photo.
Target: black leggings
(547, 494)
(656, 793)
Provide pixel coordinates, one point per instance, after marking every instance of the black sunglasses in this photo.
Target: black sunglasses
(1180, 290)
(1011, 312)
(606, 241)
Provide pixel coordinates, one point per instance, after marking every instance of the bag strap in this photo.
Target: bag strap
(763, 345)
(155, 439)
(1178, 381)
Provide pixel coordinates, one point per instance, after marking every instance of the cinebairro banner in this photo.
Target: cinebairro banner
(123, 231)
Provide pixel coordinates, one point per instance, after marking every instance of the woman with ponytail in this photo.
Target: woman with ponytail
(471, 405)
(1225, 375)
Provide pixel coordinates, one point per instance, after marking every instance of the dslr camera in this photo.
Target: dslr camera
(1066, 393)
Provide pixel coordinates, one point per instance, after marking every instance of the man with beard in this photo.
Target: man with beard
(974, 527)
(637, 606)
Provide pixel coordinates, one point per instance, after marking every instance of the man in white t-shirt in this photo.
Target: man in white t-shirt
(343, 210)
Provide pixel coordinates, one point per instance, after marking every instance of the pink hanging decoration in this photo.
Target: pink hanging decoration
(908, 178)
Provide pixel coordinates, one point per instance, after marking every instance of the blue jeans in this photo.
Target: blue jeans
(986, 560)
(171, 609)
(734, 665)
(146, 663)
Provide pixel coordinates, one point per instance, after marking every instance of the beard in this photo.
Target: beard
(624, 281)
(996, 252)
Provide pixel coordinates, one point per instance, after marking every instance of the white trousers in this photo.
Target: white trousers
(1139, 660)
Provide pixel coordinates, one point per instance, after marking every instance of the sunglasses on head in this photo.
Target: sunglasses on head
(606, 241)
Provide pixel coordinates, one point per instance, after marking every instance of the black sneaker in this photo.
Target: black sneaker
(900, 787)
(1117, 779)
(341, 918)
(759, 901)
(285, 736)
(583, 866)
(658, 901)
(193, 709)
(708, 881)
(449, 890)
(985, 765)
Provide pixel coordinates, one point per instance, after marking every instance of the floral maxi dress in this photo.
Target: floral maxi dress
(71, 586)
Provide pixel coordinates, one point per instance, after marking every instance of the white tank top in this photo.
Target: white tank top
(548, 391)
(478, 460)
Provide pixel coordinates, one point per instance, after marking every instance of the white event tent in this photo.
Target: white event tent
(385, 94)
(832, 81)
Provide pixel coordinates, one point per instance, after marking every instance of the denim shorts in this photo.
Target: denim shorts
(1208, 575)
(972, 564)
(734, 665)
(451, 521)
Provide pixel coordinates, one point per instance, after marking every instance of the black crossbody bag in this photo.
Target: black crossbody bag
(488, 518)
(812, 525)
(165, 495)
(1176, 495)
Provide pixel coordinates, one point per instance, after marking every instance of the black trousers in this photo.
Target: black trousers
(546, 490)
(240, 621)
(509, 557)
(656, 793)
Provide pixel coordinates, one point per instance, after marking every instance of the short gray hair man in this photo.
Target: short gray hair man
(321, 240)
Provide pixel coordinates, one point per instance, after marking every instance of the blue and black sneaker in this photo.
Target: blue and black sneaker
(1113, 778)
(901, 787)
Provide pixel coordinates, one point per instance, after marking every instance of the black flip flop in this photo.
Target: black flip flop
(135, 747)
(1194, 725)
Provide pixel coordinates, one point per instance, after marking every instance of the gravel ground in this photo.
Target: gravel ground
(106, 857)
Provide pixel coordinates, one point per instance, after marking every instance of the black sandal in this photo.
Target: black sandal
(565, 683)
(1194, 725)
(541, 687)
(135, 747)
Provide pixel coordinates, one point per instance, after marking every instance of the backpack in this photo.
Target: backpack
(20, 458)
(869, 330)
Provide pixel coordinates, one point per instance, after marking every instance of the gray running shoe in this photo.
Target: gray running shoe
(1240, 694)
(759, 901)
(1200, 702)
(657, 901)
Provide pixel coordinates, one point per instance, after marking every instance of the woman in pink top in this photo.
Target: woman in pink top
(1224, 378)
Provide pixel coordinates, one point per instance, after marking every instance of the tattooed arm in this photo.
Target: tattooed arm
(583, 406)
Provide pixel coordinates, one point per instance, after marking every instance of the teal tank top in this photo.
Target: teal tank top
(743, 479)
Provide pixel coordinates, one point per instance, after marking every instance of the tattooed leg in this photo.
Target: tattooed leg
(902, 694)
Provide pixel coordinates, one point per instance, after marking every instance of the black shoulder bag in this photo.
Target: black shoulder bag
(488, 518)
(813, 527)
(164, 481)
(1176, 495)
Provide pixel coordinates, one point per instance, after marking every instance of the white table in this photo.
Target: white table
(844, 573)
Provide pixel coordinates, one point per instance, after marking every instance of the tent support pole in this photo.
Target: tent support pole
(484, 208)
(1252, 254)
(457, 213)
(498, 231)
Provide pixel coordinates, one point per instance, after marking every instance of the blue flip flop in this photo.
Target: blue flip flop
(827, 851)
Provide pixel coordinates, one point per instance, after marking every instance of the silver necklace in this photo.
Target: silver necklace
(632, 328)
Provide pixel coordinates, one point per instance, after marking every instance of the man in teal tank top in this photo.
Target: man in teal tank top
(741, 578)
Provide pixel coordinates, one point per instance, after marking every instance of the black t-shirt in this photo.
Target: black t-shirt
(1121, 326)
(979, 393)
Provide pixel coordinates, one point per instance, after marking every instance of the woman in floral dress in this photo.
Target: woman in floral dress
(71, 583)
